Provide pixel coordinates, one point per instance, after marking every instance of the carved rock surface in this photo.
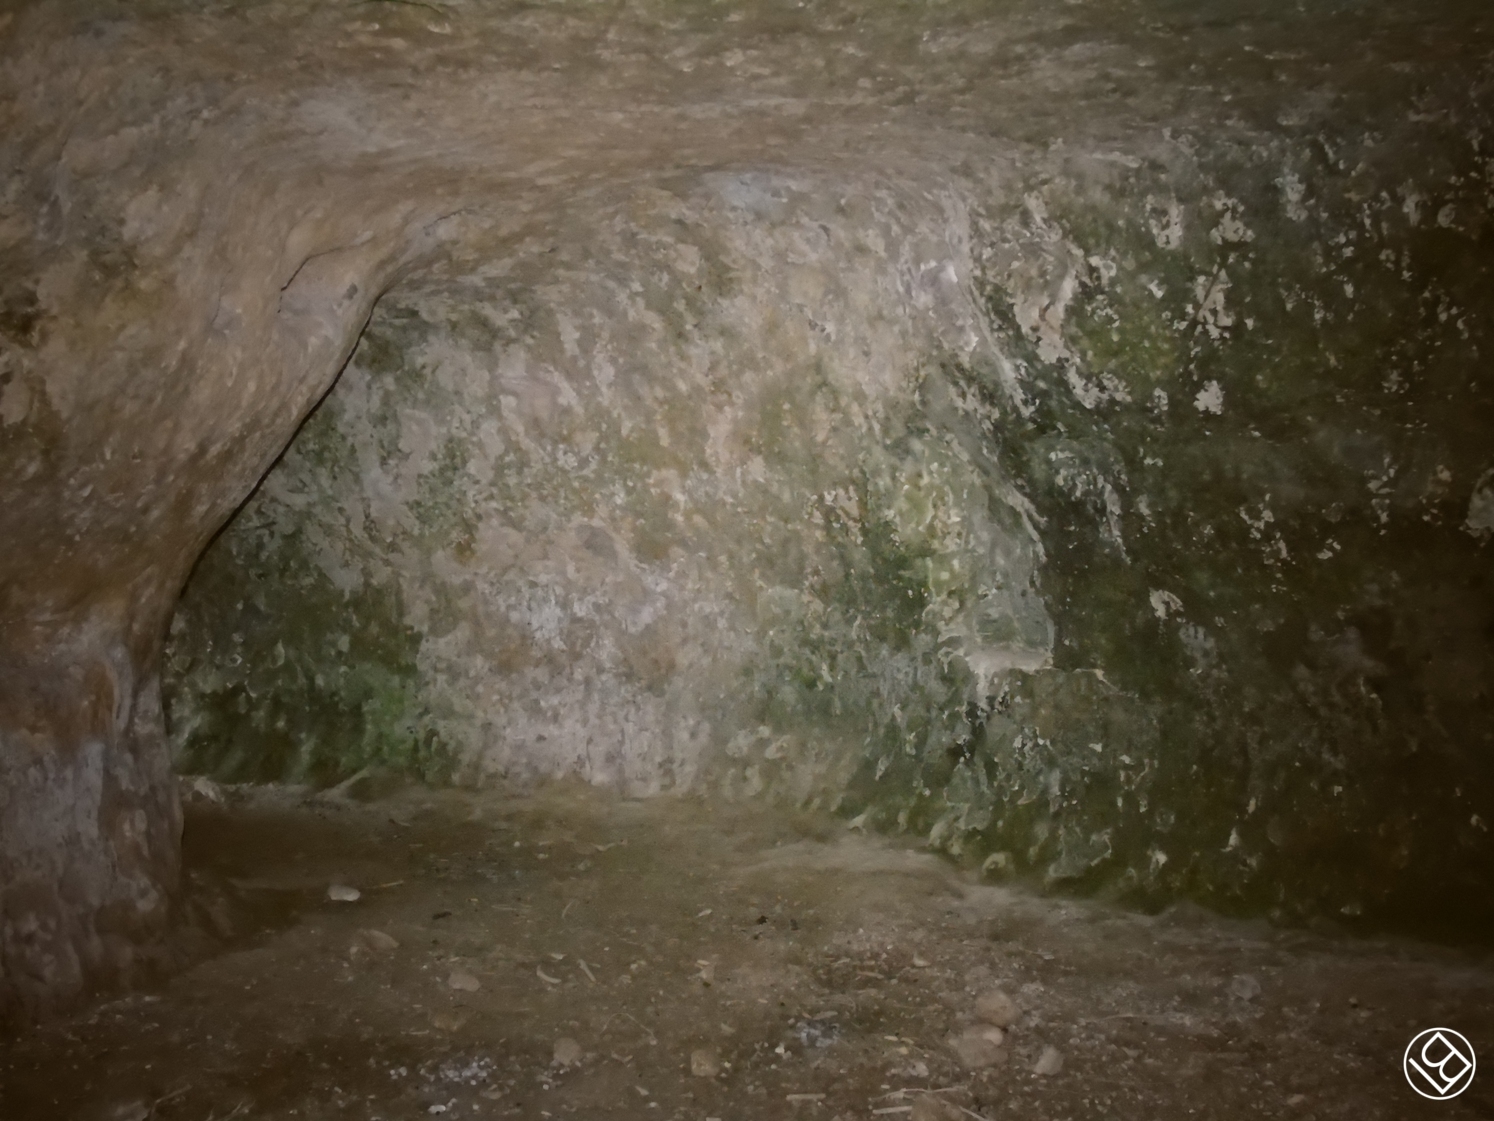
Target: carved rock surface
(1175, 323)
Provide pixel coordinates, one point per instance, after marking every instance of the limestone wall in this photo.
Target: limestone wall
(1114, 520)
(764, 394)
(691, 465)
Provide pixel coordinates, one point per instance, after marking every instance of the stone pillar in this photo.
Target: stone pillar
(89, 821)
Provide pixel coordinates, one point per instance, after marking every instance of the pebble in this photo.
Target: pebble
(567, 1052)
(979, 1047)
(342, 893)
(995, 1007)
(374, 942)
(463, 981)
(1049, 1062)
(1244, 987)
(705, 1062)
(449, 1021)
(200, 788)
(928, 1107)
(818, 1031)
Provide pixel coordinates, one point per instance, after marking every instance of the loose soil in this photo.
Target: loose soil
(570, 953)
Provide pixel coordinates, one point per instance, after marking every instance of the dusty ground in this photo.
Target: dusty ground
(819, 973)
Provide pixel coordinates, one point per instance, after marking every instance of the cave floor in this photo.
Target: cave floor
(820, 971)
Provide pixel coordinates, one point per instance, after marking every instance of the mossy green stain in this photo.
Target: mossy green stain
(320, 684)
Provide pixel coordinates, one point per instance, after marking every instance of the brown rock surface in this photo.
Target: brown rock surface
(979, 1047)
(198, 212)
(996, 1007)
(198, 217)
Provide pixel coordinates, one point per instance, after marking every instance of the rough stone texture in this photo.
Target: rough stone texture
(1190, 305)
(584, 510)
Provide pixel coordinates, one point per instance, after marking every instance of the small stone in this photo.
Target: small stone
(928, 1107)
(998, 865)
(995, 1007)
(448, 1020)
(705, 1062)
(374, 942)
(980, 1047)
(1049, 1062)
(199, 789)
(819, 1031)
(463, 982)
(215, 913)
(1244, 987)
(567, 1052)
(342, 893)
(1296, 1099)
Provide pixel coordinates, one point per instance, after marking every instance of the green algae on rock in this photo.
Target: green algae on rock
(1070, 578)
(622, 494)
(1245, 419)
(202, 205)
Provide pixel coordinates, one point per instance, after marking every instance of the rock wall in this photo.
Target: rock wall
(1116, 520)
(740, 369)
(591, 508)
(1256, 445)
(153, 358)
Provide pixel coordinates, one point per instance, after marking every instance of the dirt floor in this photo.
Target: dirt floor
(569, 953)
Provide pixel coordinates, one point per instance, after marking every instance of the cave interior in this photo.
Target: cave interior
(746, 558)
